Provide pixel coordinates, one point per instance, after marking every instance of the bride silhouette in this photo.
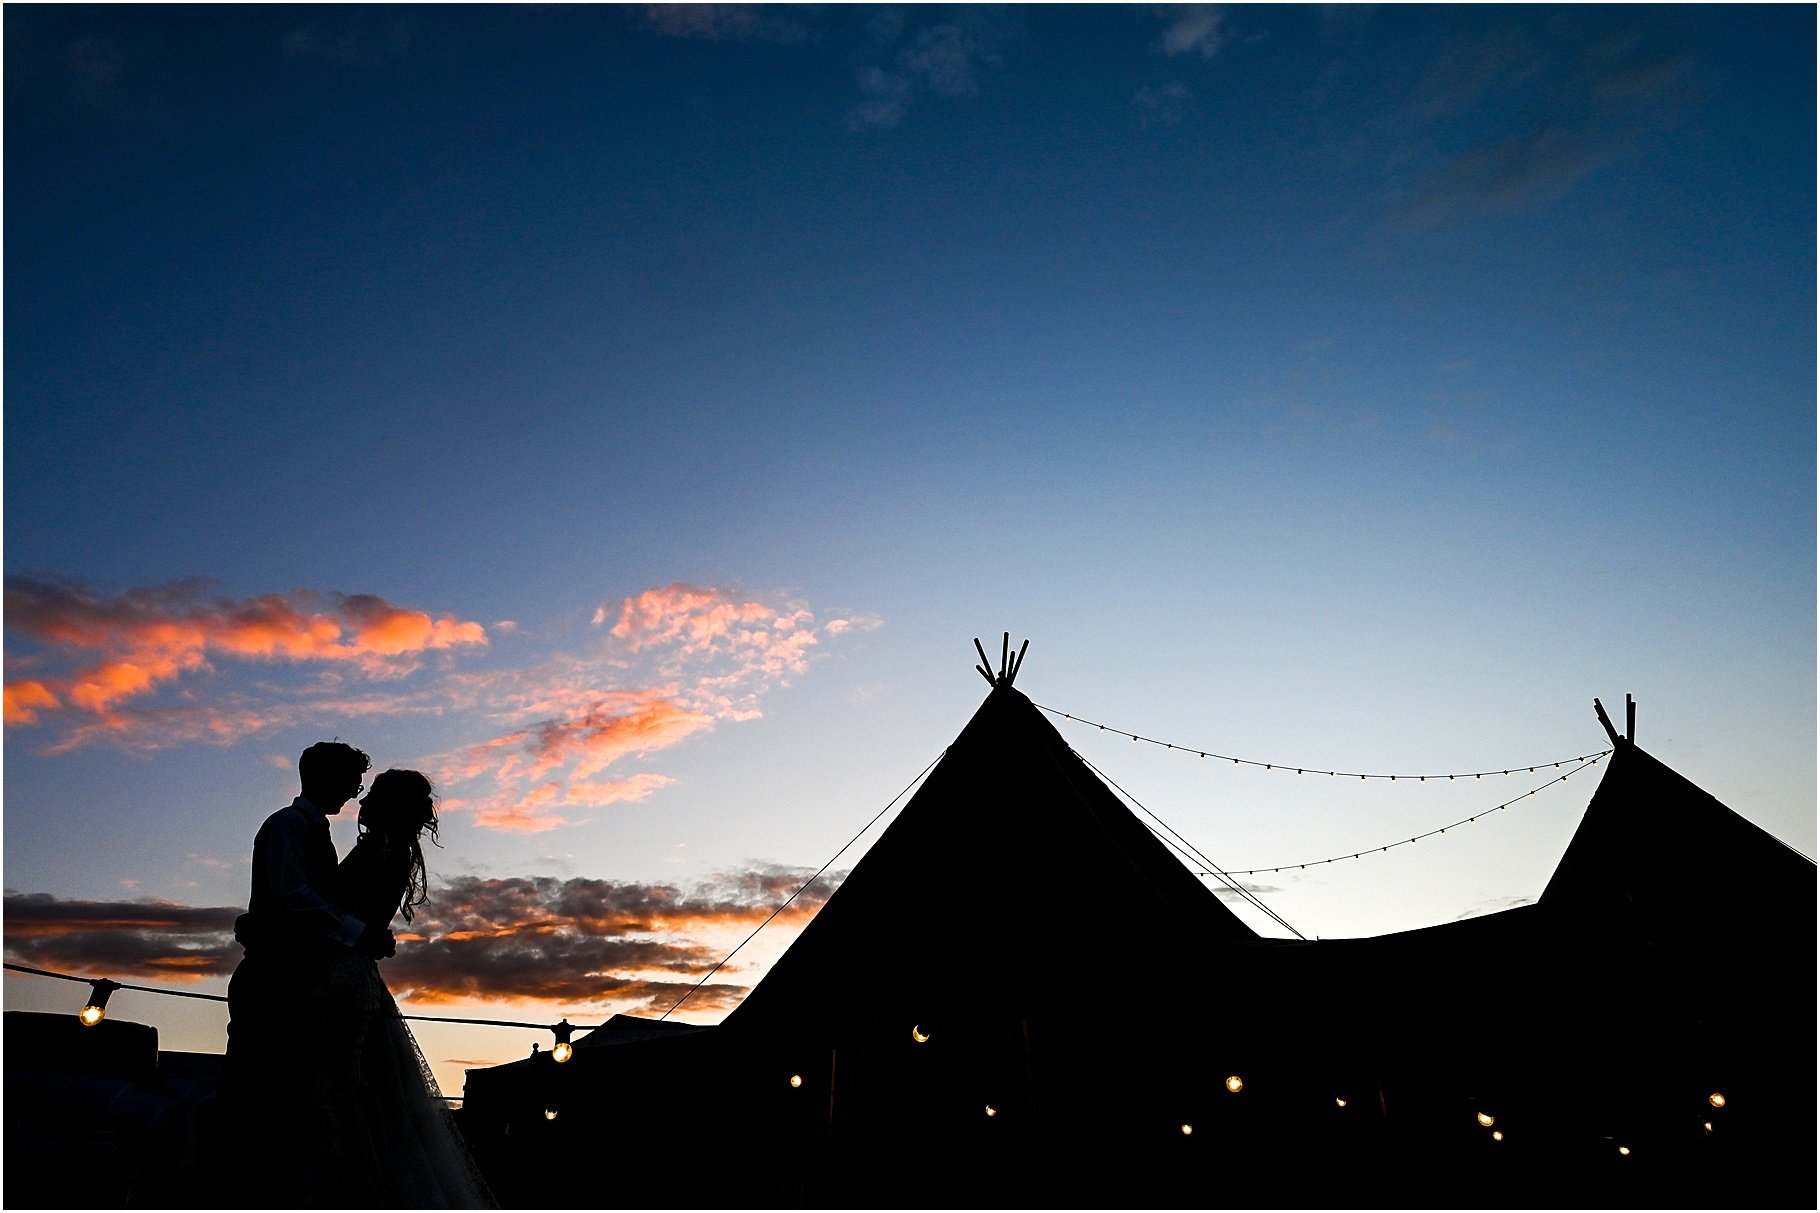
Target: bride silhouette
(388, 1140)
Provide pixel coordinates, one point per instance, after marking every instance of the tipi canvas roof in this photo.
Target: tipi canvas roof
(982, 882)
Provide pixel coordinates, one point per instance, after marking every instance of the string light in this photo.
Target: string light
(1403, 842)
(102, 988)
(95, 1010)
(1278, 766)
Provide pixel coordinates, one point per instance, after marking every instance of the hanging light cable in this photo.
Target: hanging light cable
(1305, 769)
(1403, 842)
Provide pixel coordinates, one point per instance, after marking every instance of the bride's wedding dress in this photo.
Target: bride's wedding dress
(389, 1139)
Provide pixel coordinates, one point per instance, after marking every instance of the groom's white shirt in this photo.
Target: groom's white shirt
(283, 846)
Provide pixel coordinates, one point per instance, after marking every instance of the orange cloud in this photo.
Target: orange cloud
(26, 698)
(124, 647)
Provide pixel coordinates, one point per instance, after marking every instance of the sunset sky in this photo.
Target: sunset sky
(629, 416)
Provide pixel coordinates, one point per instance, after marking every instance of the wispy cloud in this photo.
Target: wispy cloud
(1193, 29)
(1164, 104)
(87, 654)
(585, 943)
(1514, 118)
(677, 660)
(946, 60)
(782, 24)
(349, 44)
(66, 58)
(1491, 906)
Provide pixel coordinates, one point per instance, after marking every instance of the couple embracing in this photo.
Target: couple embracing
(327, 1100)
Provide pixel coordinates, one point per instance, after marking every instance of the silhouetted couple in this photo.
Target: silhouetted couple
(328, 1101)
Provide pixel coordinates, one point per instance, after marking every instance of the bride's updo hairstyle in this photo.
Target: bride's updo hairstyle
(397, 811)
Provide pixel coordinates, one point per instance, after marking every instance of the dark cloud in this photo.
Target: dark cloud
(134, 939)
(575, 941)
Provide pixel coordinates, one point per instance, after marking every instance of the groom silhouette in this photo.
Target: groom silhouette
(277, 1019)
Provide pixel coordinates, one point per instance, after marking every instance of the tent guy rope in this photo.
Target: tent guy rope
(799, 892)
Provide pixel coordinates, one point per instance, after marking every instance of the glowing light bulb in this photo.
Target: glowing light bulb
(99, 991)
(1497, 1134)
(918, 1035)
(1235, 1084)
(1187, 1130)
(1338, 1102)
(563, 1051)
(1487, 1119)
(796, 1080)
(1709, 1125)
(991, 1111)
(1716, 1100)
(549, 1113)
(1624, 1150)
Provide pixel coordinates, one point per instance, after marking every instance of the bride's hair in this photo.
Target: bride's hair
(400, 808)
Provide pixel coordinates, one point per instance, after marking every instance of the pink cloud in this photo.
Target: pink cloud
(537, 809)
(115, 649)
(149, 668)
(686, 658)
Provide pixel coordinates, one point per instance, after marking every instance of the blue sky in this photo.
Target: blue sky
(630, 415)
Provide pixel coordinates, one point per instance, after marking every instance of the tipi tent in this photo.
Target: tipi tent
(1639, 1036)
